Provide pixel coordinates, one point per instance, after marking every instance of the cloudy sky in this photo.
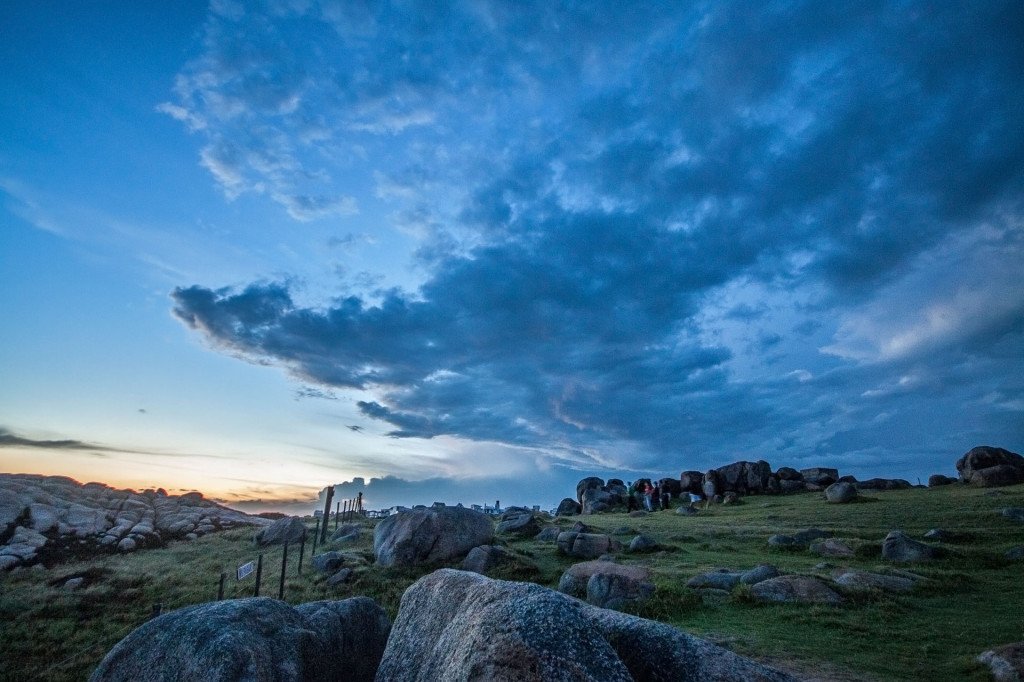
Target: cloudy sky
(478, 251)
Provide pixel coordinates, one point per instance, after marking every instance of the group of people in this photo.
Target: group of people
(652, 496)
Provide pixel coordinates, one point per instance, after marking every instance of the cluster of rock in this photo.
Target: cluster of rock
(988, 466)
(450, 625)
(46, 518)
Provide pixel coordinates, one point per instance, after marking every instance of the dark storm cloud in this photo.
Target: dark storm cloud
(832, 168)
(7, 438)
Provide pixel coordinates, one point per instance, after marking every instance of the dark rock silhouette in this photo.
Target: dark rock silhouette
(253, 639)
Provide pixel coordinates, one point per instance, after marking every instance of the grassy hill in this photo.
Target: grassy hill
(971, 600)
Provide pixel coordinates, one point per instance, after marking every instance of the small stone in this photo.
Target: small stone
(74, 583)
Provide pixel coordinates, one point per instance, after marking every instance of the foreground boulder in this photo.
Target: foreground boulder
(841, 492)
(988, 466)
(430, 535)
(253, 639)
(454, 625)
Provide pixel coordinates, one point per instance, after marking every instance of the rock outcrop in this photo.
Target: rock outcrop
(48, 518)
(254, 639)
(454, 625)
(430, 535)
(989, 466)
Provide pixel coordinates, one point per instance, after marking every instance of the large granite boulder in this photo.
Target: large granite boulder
(454, 625)
(586, 545)
(1007, 467)
(822, 476)
(290, 529)
(937, 480)
(841, 493)
(743, 478)
(430, 535)
(253, 639)
(522, 525)
(568, 507)
(691, 481)
(588, 483)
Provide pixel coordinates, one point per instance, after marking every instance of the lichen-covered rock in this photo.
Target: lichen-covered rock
(898, 546)
(454, 625)
(548, 534)
(613, 591)
(795, 588)
(425, 536)
(253, 639)
(586, 545)
(575, 579)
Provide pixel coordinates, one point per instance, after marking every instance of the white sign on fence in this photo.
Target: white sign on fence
(245, 570)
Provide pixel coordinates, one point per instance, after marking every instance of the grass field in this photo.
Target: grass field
(973, 599)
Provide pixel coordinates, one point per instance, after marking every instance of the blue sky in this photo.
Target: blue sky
(478, 252)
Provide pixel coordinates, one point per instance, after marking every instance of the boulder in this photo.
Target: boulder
(589, 483)
(731, 497)
(832, 548)
(250, 639)
(1014, 553)
(863, 580)
(575, 579)
(790, 486)
(328, 562)
(454, 625)
(548, 534)
(290, 529)
(784, 541)
(795, 588)
(595, 501)
(1006, 662)
(1000, 475)
(586, 545)
(805, 537)
(722, 579)
(984, 457)
(936, 480)
(524, 525)
(789, 474)
(347, 530)
(424, 536)
(743, 478)
(758, 574)
(484, 558)
(340, 578)
(898, 546)
(614, 591)
(691, 481)
(1014, 513)
(841, 492)
(643, 543)
(822, 476)
(687, 510)
(568, 507)
(671, 486)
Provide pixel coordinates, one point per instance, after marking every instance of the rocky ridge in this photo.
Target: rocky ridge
(47, 518)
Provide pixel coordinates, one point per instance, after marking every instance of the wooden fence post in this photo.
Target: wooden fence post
(327, 513)
(302, 550)
(316, 535)
(220, 588)
(259, 575)
(284, 566)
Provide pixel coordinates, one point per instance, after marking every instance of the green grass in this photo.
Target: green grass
(969, 602)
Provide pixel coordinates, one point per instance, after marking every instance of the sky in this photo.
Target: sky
(475, 251)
